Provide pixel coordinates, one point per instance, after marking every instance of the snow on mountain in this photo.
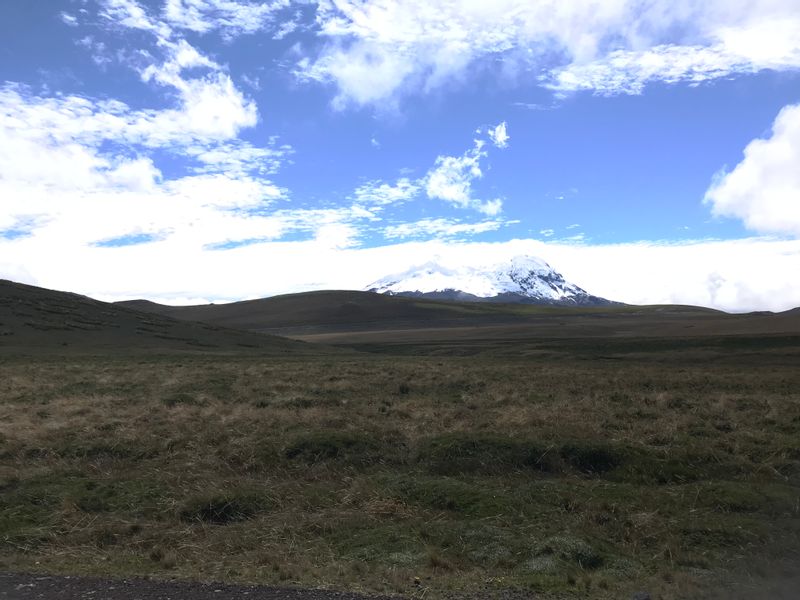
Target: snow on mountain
(522, 279)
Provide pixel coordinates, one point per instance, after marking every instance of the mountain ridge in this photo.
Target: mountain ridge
(523, 279)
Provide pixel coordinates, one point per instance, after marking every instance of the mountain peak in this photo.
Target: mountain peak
(523, 278)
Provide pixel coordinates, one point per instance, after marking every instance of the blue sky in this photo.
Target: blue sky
(210, 150)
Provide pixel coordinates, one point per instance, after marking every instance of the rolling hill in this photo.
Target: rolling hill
(34, 320)
(367, 320)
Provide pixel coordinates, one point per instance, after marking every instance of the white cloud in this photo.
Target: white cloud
(772, 44)
(378, 193)
(286, 28)
(376, 52)
(764, 189)
(741, 275)
(735, 275)
(451, 179)
(499, 135)
(364, 76)
(232, 17)
(210, 110)
(578, 237)
(62, 188)
(77, 171)
(56, 145)
(441, 228)
(181, 56)
(334, 236)
(547, 232)
(131, 14)
(236, 158)
(69, 19)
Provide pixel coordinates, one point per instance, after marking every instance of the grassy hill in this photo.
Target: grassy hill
(327, 309)
(375, 322)
(34, 320)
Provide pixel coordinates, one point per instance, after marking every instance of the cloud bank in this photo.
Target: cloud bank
(379, 51)
(739, 275)
(764, 189)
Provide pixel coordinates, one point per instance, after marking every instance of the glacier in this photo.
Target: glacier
(524, 278)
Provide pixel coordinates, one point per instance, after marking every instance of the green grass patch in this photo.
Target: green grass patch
(593, 458)
(464, 497)
(561, 476)
(224, 508)
(465, 452)
(353, 448)
(572, 550)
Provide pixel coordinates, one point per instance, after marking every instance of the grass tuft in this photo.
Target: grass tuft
(354, 448)
(591, 457)
(224, 508)
(465, 452)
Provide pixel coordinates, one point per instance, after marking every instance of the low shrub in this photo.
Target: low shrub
(353, 448)
(224, 508)
(572, 550)
(464, 452)
(592, 457)
(445, 493)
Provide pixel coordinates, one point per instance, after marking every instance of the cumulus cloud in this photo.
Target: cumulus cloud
(212, 110)
(451, 180)
(764, 189)
(61, 142)
(83, 174)
(772, 44)
(364, 76)
(376, 52)
(76, 174)
(499, 135)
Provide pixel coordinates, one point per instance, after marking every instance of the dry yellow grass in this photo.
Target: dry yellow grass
(559, 475)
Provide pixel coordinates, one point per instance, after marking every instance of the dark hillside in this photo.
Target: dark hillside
(340, 309)
(34, 319)
(349, 317)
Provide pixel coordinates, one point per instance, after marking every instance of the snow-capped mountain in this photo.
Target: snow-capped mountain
(524, 279)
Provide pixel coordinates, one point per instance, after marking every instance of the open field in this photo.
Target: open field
(561, 475)
(506, 450)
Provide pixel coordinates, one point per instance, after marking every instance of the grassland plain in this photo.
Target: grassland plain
(564, 473)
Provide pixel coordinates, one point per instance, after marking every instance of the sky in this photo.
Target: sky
(192, 151)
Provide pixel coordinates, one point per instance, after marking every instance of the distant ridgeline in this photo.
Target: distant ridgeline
(523, 279)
